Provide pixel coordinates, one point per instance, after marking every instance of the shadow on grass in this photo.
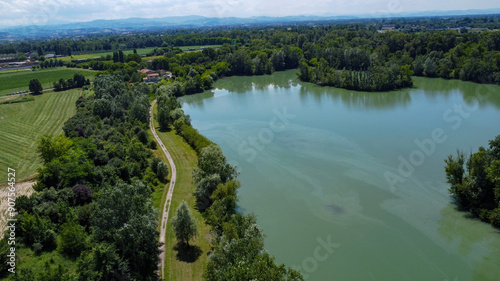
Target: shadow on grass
(164, 130)
(187, 253)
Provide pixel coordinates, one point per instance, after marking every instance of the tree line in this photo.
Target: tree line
(350, 57)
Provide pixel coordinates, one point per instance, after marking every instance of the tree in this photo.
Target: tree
(211, 171)
(72, 239)
(162, 171)
(50, 147)
(184, 224)
(35, 86)
(121, 56)
(262, 64)
(82, 194)
(39, 50)
(102, 263)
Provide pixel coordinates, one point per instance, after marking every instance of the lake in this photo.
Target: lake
(350, 185)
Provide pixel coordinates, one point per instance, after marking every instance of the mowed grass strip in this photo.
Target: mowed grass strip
(22, 124)
(18, 81)
(140, 51)
(185, 159)
(186, 48)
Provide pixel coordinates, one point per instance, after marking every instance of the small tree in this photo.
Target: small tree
(162, 171)
(35, 86)
(72, 239)
(184, 224)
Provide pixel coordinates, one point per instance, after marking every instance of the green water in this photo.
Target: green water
(324, 165)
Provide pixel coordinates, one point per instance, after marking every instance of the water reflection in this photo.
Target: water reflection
(432, 88)
(473, 240)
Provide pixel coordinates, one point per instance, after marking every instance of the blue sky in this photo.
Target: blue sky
(26, 12)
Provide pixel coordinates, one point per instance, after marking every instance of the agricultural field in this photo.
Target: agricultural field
(139, 51)
(185, 48)
(18, 81)
(21, 125)
(142, 51)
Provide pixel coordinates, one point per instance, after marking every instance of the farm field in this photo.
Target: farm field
(21, 125)
(142, 51)
(185, 48)
(18, 81)
(139, 51)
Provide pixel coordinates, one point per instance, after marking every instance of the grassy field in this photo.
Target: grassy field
(142, 51)
(185, 267)
(185, 48)
(21, 124)
(18, 81)
(139, 51)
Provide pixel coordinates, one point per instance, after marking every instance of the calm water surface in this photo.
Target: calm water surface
(362, 173)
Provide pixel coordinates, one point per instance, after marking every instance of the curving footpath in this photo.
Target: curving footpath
(168, 200)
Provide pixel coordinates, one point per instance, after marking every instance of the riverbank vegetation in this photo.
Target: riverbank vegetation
(475, 182)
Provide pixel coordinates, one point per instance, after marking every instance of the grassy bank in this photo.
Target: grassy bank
(190, 266)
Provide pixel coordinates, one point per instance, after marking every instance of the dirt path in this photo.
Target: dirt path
(22, 188)
(168, 200)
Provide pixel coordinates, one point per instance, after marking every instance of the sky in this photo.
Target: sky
(28, 12)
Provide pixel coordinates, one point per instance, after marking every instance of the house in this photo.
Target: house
(49, 56)
(151, 77)
(147, 71)
(168, 75)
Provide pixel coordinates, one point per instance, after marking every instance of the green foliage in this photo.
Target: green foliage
(124, 216)
(72, 239)
(212, 170)
(474, 182)
(102, 263)
(38, 230)
(184, 224)
(88, 184)
(162, 171)
(239, 255)
(35, 86)
(50, 147)
(225, 199)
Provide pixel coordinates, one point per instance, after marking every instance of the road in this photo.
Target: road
(168, 200)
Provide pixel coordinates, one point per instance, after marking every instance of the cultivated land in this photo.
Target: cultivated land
(18, 81)
(185, 266)
(22, 188)
(185, 48)
(143, 51)
(22, 124)
(97, 55)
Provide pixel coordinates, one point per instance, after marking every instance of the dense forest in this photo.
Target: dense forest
(475, 181)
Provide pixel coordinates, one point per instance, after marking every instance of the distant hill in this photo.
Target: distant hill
(139, 24)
